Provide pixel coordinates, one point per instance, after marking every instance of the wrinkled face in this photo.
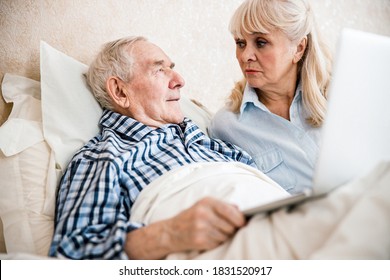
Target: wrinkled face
(266, 60)
(154, 90)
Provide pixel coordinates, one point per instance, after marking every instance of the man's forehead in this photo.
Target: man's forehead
(148, 53)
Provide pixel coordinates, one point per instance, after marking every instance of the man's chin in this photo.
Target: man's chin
(179, 119)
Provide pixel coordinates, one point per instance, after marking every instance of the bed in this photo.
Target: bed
(48, 120)
(48, 123)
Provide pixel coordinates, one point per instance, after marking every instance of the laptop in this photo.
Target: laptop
(355, 135)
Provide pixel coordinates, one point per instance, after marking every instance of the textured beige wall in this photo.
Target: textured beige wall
(192, 32)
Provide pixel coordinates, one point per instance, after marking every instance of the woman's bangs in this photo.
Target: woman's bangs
(247, 21)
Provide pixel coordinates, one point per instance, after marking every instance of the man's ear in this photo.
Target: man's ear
(117, 90)
(300, 50)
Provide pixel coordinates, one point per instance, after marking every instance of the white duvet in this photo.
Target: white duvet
(179, 189)
(353, 222)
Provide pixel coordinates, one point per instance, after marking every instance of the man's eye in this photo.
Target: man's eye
(160, 70)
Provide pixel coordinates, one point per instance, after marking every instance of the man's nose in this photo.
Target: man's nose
(176, 81)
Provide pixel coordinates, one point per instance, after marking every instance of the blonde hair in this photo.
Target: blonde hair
(113, 60)
(295, 19)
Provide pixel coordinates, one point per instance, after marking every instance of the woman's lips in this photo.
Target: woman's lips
(251, 71)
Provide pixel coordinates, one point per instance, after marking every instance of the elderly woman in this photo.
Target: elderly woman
(276, 111)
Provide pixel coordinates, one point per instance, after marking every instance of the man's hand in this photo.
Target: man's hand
(204, 226)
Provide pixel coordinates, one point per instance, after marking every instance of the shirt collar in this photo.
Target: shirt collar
(190, 131)
(124, 125)
(136, 130)
(250, 97)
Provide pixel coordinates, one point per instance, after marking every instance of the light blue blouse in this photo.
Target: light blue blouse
(284, 150)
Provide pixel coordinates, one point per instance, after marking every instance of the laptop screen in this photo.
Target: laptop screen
(356, 131)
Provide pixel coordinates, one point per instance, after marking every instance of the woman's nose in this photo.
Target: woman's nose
(248, 54)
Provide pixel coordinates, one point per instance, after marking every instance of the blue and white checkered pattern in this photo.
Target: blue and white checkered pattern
(106, 176)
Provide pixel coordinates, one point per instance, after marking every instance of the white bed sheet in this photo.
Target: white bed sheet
(352, 222)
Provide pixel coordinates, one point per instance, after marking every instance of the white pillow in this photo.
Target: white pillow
(70, 113)
(69, 110)
(27, 171)
(196, 112)
(2, 241)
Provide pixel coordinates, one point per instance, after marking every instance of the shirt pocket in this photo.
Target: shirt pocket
(272, 164)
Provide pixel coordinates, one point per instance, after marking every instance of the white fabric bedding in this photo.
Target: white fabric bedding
(181, 188)
(353, 222)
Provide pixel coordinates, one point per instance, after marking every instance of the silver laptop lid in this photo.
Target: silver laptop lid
(356, 131)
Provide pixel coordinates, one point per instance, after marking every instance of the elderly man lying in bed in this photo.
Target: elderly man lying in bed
(152, 185)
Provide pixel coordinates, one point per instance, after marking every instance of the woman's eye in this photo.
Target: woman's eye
(240, 44)
(261, 43)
